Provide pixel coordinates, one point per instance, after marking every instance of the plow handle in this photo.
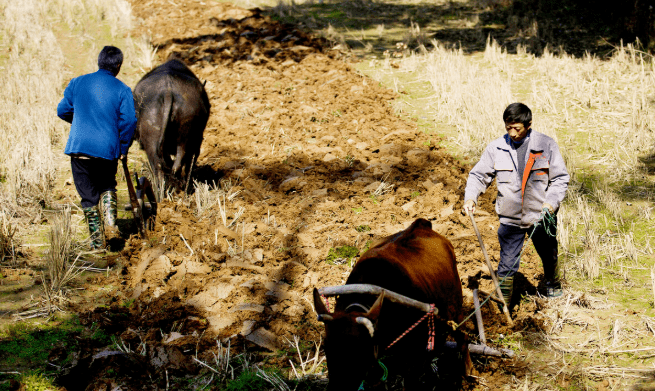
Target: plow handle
(491, 270)
(136, 208)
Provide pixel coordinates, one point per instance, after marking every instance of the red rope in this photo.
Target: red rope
(431, 333)
(327, 303)
(431, 329)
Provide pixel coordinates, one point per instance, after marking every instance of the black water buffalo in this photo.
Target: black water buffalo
(418, 264)
(172, 108)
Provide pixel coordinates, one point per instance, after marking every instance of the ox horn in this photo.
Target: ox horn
(324, 318)
(367, 323)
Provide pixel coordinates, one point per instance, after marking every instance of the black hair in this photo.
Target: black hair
(518, 113)
(110, 59)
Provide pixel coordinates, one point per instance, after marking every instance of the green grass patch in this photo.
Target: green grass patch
(100, 336)
(362, 228)
(128, 303)
(30, 381)
(249, 380)
(26, 345)
(37, 382)
(338, 255)
(335, 14)
(367, 246)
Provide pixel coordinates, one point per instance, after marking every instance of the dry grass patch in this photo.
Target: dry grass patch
(62, 266)
(211, 201)
(63, 254)
(309, 367)
(31, 81)
(9, 245)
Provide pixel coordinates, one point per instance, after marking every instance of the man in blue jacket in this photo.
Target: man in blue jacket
(101, 110)
(532, 179)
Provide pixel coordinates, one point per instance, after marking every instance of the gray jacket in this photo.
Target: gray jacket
(520, 200)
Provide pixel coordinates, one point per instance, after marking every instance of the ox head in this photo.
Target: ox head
(350, 343)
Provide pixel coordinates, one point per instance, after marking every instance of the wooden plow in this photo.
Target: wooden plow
(144, 213)
(480, 349)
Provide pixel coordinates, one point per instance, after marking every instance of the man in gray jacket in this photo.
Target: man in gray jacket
(532, 180)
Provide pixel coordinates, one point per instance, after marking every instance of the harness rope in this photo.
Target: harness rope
(385, 374)
(327, 303)
(430, 316)
(548, 221)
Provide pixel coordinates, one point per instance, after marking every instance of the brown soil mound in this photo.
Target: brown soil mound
(300, 142)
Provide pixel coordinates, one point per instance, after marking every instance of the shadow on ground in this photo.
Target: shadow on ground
(574, 27)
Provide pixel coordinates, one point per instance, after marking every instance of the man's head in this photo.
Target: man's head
(518, 119)
(110, 59)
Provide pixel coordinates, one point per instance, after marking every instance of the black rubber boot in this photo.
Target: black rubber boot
(553, 281)
(554, 289)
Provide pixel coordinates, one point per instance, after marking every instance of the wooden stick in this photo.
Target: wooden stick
(136, 208)
(626, 350)
(652, 279)
(188, 179)
(491, 297)
(483, 350)
(491, 270)
(187, 245)
(478, 317)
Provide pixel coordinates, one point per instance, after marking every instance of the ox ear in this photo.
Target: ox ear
(319, 306)
(374, 312)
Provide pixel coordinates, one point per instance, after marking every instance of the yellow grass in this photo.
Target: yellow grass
(31, 81)
(598, 110)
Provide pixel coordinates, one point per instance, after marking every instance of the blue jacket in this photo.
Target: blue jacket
(101, 110)
(520, 200)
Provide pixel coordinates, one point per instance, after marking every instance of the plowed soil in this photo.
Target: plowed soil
(299, 141)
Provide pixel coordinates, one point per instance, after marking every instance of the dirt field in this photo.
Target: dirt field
(298, 142)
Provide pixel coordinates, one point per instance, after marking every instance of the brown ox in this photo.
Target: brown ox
(418, 263)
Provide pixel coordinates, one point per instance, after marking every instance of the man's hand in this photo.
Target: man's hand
(123, 157)
(549, 207)
(469, 206)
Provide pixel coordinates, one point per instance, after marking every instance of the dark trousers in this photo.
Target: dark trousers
(92, 177)
(511, 241)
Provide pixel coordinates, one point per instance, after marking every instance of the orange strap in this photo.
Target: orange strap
(526, 171)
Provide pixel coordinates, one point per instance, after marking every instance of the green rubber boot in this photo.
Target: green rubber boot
(108, 201)
(96, 227)
(506, 288)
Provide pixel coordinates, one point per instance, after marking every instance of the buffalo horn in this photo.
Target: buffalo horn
(375, 290)
(366, 322)
(324, 318)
